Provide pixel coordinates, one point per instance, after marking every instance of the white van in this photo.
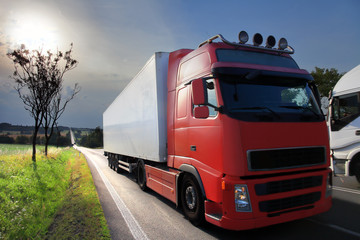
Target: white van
(344, 124)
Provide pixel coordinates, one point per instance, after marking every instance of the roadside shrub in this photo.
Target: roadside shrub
(23, 140)
(6, 139)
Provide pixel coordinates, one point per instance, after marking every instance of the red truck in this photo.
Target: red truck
(231, 132)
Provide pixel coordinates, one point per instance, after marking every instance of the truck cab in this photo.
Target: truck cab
(231, 132)
(344, 124)
(247, 121)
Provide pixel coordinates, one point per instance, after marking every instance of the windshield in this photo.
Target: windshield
(269, 99)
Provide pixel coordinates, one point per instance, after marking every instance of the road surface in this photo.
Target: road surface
(134, 214)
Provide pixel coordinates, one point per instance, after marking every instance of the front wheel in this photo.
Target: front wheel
(357, 170)
(358, 177)
(192, 200)
(355, 167)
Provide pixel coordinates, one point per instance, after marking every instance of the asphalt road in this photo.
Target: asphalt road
(134, 214)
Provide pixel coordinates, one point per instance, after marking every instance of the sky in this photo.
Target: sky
(113, 39)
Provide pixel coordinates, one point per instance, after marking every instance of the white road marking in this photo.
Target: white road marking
(346, 190)
(133, 225)
(336, 227)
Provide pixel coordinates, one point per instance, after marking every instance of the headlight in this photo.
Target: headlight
(242, 200)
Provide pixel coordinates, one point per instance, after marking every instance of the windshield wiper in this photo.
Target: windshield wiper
(302, 108)
(259, 108)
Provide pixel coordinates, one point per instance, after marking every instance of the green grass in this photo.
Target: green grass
(54, 199)
(14, 149)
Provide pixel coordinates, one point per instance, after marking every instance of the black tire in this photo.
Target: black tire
(111, 160)
(116, 165)
(141, 175)
(117, 168)
(357, 170)
(354, 167)
(358, 177)
(113, 163)
(192, 200)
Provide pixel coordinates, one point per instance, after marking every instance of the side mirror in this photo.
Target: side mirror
(199, 92)
(201, 112)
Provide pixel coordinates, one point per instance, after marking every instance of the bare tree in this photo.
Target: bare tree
(54, 112)
(39, 78)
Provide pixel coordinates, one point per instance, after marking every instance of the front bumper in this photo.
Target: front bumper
(274, 200)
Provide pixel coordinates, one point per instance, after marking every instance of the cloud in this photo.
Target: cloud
(87, 107)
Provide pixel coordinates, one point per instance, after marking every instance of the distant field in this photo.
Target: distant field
(64, 133)
(10, 132)
(14, 149)
(29, 133)
(54, 199)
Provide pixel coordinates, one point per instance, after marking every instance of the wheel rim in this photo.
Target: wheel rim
(190, 197)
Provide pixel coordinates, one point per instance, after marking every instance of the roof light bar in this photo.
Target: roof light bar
(283, 46)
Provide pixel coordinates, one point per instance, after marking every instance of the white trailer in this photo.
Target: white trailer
(344, 124)
(135, 123)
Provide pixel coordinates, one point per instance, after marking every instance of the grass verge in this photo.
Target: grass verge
(54, 199)
(81, 216)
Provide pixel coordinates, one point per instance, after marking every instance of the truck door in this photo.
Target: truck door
(205, 137)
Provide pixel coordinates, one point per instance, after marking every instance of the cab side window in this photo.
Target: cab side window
(211, 96)
(345, 109)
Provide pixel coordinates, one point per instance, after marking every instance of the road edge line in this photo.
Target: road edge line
(130, 220)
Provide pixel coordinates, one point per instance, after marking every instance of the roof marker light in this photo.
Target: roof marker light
(283, 43)
(270, 41)
(243, 37)
(257, 39)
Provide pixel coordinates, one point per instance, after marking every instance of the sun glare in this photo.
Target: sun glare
(34, 32)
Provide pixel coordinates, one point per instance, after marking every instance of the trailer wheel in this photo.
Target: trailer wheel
(111, 160)
(141, 175)
(113, 163)
(117, 168)
(192, 200)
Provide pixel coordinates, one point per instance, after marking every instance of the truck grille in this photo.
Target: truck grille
(290, 202)
(262, 160)
(287, 185)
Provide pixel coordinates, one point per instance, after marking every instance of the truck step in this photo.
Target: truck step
(129, 167)
(162, 182)
(216, 217)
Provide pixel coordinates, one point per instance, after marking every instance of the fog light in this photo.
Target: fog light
(242, 200)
